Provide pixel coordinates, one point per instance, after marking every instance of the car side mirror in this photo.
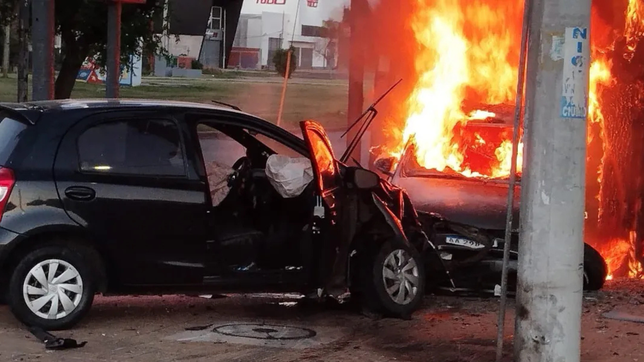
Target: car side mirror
(385, 165)
(365, 179)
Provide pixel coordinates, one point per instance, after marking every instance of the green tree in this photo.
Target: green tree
(280, 58)
(82, 26)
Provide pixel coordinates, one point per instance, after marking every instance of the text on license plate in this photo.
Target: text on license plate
(463, 242)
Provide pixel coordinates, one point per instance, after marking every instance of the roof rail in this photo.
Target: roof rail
(227, 105)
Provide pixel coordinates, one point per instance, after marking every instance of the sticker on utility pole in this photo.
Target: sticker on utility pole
(574, 97)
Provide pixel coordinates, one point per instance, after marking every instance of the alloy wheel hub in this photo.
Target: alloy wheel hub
(53, 289)
(400, 276)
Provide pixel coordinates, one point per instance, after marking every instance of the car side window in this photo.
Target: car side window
(220, 152)
(277, 146)
(217, 147)
(147, 147)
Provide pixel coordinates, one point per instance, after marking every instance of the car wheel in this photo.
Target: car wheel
(52, 287)
(595, 269)
(394, 279)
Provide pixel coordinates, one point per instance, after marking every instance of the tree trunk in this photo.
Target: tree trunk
(74, 52)
(67, 75)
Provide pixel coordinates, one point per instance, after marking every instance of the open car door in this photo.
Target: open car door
(328, 181)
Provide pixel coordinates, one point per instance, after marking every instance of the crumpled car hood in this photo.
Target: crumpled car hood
(474, 202)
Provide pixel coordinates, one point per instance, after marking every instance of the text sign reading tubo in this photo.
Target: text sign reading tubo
(271, 2)
(574, 97)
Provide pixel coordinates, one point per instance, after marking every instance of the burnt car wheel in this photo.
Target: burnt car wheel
(396, 284)
(52, 288)
(595, 269)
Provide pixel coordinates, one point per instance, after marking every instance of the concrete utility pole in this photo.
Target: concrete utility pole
(42, 36)
(6, 50)
(548, 306)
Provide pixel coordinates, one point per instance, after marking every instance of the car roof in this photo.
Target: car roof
(31, 110)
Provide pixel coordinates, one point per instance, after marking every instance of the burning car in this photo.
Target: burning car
(465, 215)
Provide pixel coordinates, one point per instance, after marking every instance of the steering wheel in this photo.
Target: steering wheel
(240, 169)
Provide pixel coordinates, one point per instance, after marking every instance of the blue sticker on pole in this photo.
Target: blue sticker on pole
(576, 65)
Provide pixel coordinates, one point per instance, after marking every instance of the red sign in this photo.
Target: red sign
(271, 2)
(312, 3)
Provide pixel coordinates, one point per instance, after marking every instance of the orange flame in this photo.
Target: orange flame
(634, 26)
(615, 253)
(456, 59)
(467, 55)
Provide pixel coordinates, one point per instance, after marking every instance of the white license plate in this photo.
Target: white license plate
(463, 242)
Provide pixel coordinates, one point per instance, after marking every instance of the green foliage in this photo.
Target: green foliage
(83, 24)
(195, 64)
(280, 59)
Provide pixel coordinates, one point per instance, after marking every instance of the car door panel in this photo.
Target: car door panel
(152, 227)
(329, 187)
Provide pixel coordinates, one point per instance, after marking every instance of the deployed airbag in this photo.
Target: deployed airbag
(289, 175)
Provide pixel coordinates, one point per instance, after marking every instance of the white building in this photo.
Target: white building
(268, 25)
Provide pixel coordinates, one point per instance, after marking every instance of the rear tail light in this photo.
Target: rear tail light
(7, 180)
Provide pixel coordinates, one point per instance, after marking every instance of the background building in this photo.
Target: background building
(246, 33)
(268, 25)
(198, 29)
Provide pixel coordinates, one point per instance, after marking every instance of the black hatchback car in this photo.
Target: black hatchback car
(133, 197)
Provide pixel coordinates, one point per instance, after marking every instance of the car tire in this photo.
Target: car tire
(595, 269)
(57, 273)
(381, 271)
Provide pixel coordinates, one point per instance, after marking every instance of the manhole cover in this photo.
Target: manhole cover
(265, 331)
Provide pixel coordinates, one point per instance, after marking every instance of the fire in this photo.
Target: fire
(600, 77)
(466, 65)
(615, 253)
(634, 26)
(466, 53)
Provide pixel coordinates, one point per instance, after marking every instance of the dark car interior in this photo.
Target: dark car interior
(254, 223)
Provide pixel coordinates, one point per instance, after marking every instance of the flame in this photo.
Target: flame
(634, 29)
(615, 252)
(467, 54)
(458, 59)
(600, 77)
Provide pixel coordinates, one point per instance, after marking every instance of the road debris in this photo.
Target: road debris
(55, 343)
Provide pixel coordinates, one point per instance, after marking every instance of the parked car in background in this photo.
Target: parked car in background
(465, 218)
(124, 197)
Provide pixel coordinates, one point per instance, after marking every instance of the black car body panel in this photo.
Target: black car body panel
(156, 229)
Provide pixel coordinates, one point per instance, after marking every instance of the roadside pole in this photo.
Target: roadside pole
(5, 53)
(42, 38)
(113, 49)
(356, 69)
(549, 295)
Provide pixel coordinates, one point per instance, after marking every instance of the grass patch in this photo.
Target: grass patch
(325, 103)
